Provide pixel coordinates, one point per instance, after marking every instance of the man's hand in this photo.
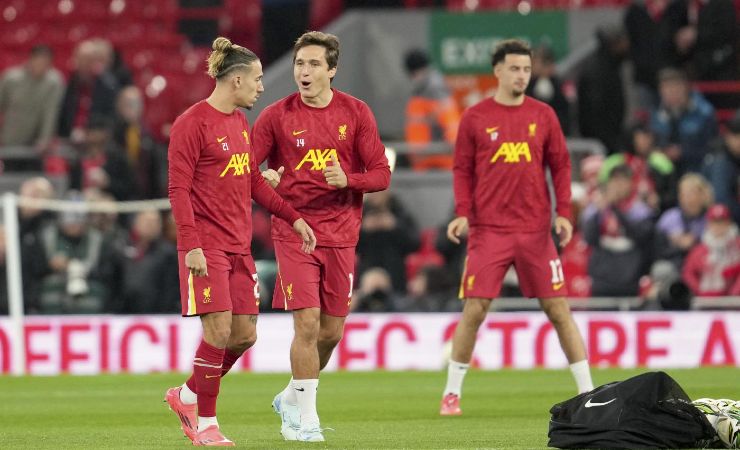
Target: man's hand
(457, 228)
(564, 230)
(334, 174)
(306, 233)
(273, 176)
(195, 260)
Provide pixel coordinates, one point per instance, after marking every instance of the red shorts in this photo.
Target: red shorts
(322, 279)
(533, 255)
(231, 285)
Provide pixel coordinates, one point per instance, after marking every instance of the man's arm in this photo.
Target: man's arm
(463, 170)
(266, 196)
(377, 175)
(558, 160)
(263, 137)
(183, 155)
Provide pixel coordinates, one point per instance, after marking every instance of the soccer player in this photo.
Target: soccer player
(212, 180)
(323, 153)
(503, 146)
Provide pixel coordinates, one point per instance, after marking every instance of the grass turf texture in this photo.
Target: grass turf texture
(503, 409)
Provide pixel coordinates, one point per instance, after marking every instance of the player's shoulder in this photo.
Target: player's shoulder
(285, 104)
(345, 100)
(192, 117)
(538, 106)
(482, 108)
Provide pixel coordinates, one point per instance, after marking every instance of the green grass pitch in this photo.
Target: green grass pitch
(502, 409)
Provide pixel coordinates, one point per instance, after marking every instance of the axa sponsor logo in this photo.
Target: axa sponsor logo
(512, 152)
(239, 163)
(316, 159)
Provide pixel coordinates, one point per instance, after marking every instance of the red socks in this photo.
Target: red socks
(207, 370)
(229, 358)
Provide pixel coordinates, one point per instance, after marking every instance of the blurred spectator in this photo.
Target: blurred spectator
(91, 90)
(704, 37)
(590, 167)
(453, 254)
(431, 112)
(151, 276)
(31, 223)
(388, 234)
(618, 230)
(722, 168)
(431, 290)
(601, 104)
(713, 267)
(648, 35)
(684, 123)
(145, 156)
(75, 258)
(102, 164)
(119, 69)
(653, 173)
(375, 293)
(107, 222)
(545, 85)
(30, 96)
(678, 230)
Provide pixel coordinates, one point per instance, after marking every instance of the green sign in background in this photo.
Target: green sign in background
(462, 43)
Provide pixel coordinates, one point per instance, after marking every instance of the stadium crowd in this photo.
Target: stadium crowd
(655, 217)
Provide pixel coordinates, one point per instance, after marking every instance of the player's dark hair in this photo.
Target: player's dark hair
(41, 50)
(510, 47)
(227, 57)
(326, 40)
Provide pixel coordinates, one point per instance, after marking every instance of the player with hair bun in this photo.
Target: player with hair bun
(213, 177)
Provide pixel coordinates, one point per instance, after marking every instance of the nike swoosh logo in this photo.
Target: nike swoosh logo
(296, 133)
(212, 376)
(300, 389)
(491, 130)
(557, 286)
(590, 404)
(219, 140)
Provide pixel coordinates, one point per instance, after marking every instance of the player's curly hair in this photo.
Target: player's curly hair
(227, 56)
(326, 40)
(510, 47)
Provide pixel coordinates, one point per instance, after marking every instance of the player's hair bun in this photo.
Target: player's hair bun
(222, 44)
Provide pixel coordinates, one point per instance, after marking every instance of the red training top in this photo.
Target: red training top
(303, 139)
(212, 179)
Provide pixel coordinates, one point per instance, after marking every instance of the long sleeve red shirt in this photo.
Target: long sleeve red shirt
(212, 180)
(302, 139)
(500, 158)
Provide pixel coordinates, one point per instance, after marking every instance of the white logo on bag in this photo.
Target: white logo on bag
(590, 404)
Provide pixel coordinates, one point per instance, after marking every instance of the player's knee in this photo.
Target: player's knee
(557, 311)
(330, 338)
(217, 336)
(475, 309)
(243, 343)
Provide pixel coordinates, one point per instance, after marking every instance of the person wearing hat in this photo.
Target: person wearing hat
(431, 113)
(722, 168)
(712, 268)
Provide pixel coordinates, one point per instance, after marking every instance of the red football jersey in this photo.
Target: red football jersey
(500, 158)
(303, 139)
(212, 179)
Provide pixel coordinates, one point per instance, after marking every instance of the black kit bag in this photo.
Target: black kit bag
(646, 411)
